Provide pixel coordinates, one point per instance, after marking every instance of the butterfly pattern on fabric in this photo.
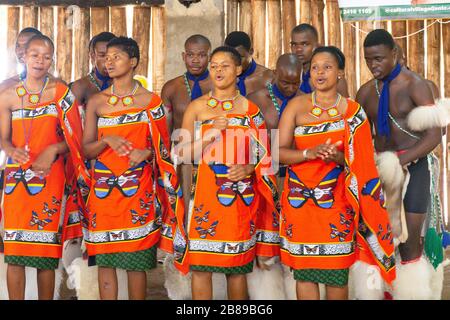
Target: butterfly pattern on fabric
(335, 233)
(55, 201)
(135, 217)
(311, 249)
(211, 230)
(252, 228)
(127, 183)
(373, 188)
(322, 194)
(14, 175)
(229, 190)
(288, 230)
(387, 236)
(40, 223)
(94, 221)
(48, 211)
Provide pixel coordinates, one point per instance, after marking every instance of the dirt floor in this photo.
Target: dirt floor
(157, 291)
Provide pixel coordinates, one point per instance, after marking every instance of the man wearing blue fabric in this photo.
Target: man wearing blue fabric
(195, 82)
(405, 121)
(254, 76)
(98, 79)
(304, 39)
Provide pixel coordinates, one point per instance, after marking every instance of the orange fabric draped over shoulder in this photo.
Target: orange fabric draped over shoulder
(231, 222)
(333, 215)
(35, 223)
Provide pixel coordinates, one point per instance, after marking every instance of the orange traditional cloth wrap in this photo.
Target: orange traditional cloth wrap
(35, 220)
(126, 206)
(231, 222)
(333, 215)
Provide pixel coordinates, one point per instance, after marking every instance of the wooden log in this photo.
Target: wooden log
(13, 32)
(334, 23)
(46, 21)
(274, 15)
(364, 72)
(81, 43)
(305, 11)
(99, 20)
(399, 30)
(64, 45)
(245, 16)
(81, 3)
(289, 22)
(232, 15)
(350, 57)
(317, 7)
(29, 16)
(434, 52)
(158, 48)
(259, 31)
(446, 43)
(141, 33)
(119, 21)
(416, 46)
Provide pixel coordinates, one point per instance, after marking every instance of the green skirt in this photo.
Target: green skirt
(247, 268)
(329, 277)
(34, 262)
(131, 261)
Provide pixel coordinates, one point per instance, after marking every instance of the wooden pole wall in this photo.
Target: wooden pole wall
(64, 45)
(46, 22)
(364, 72)
(274, 15)
(119, 21)
(13, 31)
(399, 30)
(81, 43)
(334, 23)
(232, 14)
(158, 50)
(446, 43)
(141, 33)
(245, 16)
(433, 52)
(258, 31)
(317, 7)
(350, 58)
(305, 11)
(415, 47)
(30, 16)
(99, 20)
(288, 21)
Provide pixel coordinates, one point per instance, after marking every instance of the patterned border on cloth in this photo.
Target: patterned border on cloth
(320, 249)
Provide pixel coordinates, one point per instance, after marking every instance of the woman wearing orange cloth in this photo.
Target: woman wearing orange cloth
(232, 216)
(39, 124)
(333, 207)
(126, 134)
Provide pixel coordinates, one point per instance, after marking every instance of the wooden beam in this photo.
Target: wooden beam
(13, 32)
(305, 11)
(317, 7)
(334, 23)
(158, 48)
(350, 57)
(289, 22)
(99, 20)
(245, 16)
(433, 52)
(81, 44)
(399, 30)
(274, 15)
(364, 72)
(64, 45)
(80, 3)
(29, 16)
(259, 31)
(446, 43)
(416, 47)
(46, 22)
(232, 15)
(141, 33)
(119, 21)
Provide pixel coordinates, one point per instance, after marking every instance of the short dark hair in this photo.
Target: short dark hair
(101, 37)
(127, 45)
(30, 30)
(336, 52)
(198, 38)
(238, 38)
(40, 37)
(305, 27)
(231, 51)
(377, 37)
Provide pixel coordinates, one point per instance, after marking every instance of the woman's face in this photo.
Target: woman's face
(118, 63)
(324, 71)
(38, 58)
(223, 70)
